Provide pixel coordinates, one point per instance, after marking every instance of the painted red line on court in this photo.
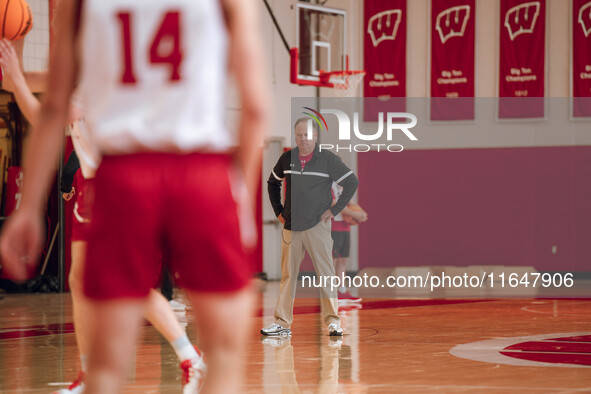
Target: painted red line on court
(382, 304)
(390, 304)
(36, 331)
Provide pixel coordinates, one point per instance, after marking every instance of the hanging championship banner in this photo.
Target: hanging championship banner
(452, 59)
(522, 59)
(384, 57)
(581, 61)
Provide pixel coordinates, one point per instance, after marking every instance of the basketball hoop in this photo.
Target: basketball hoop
(344, 82)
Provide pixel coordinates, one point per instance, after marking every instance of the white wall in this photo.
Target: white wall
(36, 51)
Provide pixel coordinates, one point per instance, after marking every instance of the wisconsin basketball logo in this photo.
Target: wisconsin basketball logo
(585, 18)
(522, 19)
(452, 22)
(384, 26)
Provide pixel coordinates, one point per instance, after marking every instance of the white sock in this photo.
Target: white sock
(84, 362)
(184, 349)
(342, 289)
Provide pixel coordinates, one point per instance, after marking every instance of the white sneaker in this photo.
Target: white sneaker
(335, 330)
(77, 386)
(276, 330)
(177, 306)
(193, 374)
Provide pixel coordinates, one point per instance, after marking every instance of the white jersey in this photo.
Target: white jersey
(337, 190)
(86, 151)
(153, 75)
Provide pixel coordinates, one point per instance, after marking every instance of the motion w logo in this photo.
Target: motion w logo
(384, 26)
(585, 18)
(452, 22)
(522, 19)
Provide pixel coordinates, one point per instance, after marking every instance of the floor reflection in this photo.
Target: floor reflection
(315, 362)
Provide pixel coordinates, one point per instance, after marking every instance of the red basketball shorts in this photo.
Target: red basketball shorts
(82, 211)
(180, 209)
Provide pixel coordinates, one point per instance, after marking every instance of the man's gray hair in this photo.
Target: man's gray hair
(314, 124)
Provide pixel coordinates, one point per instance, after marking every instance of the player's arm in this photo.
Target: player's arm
(23, 233)
(19, 47)
(247, 62)
(15, 81)
(360, 216)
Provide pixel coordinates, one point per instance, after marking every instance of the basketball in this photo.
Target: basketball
(16, 17)
(350, 219)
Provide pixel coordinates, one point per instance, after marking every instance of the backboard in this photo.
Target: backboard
(321, 41)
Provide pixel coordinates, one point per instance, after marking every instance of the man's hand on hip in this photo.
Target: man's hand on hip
(326, 216)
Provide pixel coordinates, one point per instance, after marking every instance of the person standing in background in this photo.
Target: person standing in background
(306, 216)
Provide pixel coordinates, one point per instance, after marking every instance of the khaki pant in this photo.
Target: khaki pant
(317, 241)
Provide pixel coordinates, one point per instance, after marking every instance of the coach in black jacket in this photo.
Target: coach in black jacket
(306, 217)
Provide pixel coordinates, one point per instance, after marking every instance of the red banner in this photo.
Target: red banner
(384, 57)
(522, 59)
(452, 59)
(581, 58)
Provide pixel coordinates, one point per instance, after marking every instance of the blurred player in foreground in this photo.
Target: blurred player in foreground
(172, 181)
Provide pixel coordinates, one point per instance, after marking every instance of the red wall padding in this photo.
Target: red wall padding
(504, 206)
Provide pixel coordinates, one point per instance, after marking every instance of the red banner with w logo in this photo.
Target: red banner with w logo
(581, 58)
(384, 57)
(522, 59)
(452, 59)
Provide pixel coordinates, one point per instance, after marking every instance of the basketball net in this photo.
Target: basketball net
(345, 83)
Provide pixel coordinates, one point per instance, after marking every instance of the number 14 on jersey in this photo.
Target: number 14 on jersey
(165, 48)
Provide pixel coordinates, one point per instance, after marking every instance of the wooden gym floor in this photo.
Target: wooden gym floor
(395, 345)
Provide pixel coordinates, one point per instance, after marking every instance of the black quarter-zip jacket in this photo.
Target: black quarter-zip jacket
(308, 192)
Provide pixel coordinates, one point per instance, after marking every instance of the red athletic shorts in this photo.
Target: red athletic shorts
(180, 209)
(82, 211)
